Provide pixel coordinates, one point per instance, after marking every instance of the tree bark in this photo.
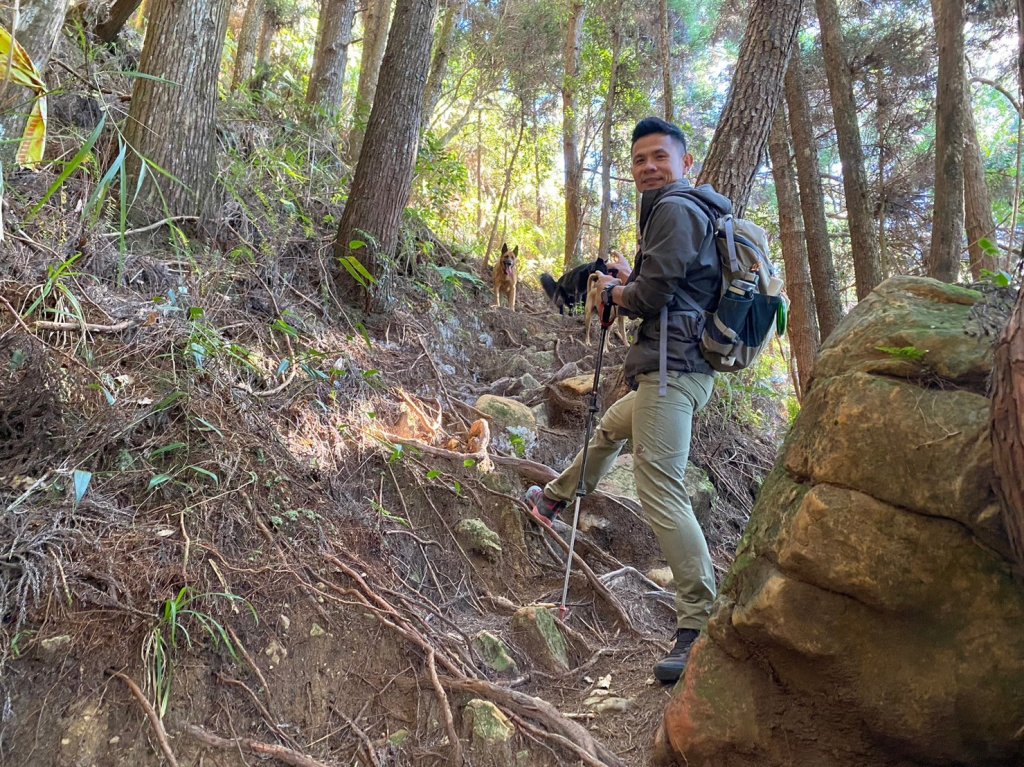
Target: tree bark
(382, 182)
(977, 201)
(1008, 427)
(327, 78)
(36, 27)
(1008, 392)
(803, 325)
(375, 36)
(570, 134)
(827, 300)
(172, 119)
(605, 232)
(118, 15)
(271, 25)
(248, 43)
(665, 52)
(943, 262)
(505, 187)
(866, 264)
(439, 62)
(739, 142)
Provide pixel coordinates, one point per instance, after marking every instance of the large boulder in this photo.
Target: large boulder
(871, 617)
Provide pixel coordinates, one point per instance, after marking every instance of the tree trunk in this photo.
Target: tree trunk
(827, 301)
(375, 36)
(439, 62)
(505, 187)
(381, 186)
(741, 137)
(977, 200)
(118, 15)
(1008, 392)
(479, 172)
(1008, 427)
(36, 27)
(665, 52)
(943, 262)
(882, 118)
(172, 119)
(271, 25)
(248, 43)
(327, 78)
(605, 234)
(864, 244)
(803, 325)
(570, 137)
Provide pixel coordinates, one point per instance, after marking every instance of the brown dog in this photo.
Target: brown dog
(506, 275)
(593, 309)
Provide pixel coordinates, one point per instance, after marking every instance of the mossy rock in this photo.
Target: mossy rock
(486, 724)
(494, 653)
(539, 636)
(479, 538)
(505, 412)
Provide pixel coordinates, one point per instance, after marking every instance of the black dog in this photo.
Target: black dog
(571, 288)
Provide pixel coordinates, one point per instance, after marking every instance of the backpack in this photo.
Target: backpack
(750, 306)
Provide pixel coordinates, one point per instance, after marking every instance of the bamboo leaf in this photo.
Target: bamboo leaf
(158, 480)
(83, 154)
(96, 198)
(206, 473)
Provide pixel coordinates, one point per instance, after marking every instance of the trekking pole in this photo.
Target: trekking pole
(606, 322)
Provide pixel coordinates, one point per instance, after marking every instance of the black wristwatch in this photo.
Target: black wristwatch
(608, 295)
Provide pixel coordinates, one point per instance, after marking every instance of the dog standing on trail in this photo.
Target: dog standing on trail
(506, 275)
(571, 288)
(593, 309)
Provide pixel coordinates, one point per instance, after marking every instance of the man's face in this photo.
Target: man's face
(658, 160)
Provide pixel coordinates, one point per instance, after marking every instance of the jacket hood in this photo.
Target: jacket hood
(719, 204)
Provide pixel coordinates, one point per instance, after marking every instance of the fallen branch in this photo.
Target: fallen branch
(286, 755)
(85, 326)
(151, 227)
(158, 727)
(482, 458)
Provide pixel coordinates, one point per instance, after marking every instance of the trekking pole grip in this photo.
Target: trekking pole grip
(606, 315)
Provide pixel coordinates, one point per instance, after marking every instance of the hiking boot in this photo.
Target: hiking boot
(543, 509)
(671, 667)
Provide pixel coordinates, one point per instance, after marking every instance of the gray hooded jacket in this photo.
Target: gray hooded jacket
(677, 253)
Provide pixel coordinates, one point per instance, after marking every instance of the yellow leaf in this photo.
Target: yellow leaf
(16, 65)
(33, 140)
(23, 71)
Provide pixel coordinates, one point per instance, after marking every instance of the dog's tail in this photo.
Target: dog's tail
(550, 286)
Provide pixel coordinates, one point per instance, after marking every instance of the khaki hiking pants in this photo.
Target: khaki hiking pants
(660, 430)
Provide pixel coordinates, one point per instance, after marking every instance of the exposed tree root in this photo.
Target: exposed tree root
(569, 734)
(286, 755)
(158, 727)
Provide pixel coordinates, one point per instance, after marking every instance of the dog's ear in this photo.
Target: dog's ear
(515, 252)
(504, 248)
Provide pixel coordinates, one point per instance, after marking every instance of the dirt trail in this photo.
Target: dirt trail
(214, 494)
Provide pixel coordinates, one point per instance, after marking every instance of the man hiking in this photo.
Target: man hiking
(670, 380)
